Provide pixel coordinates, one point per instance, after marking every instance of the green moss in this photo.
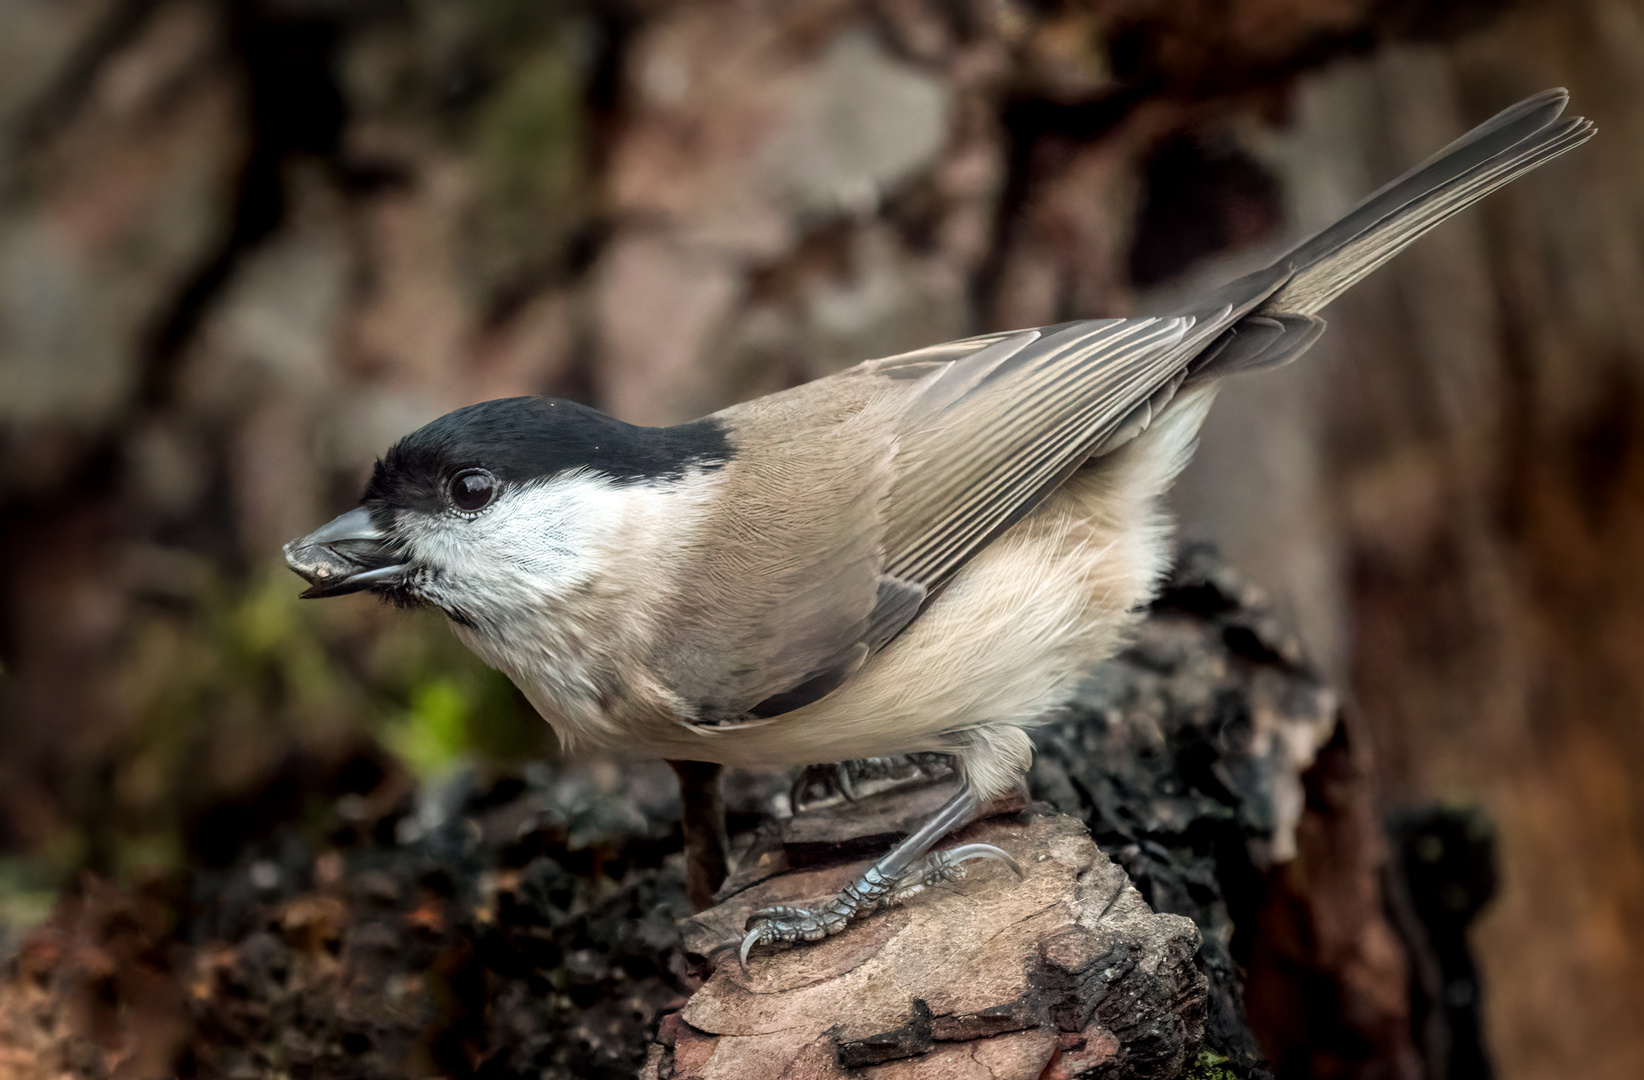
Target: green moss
(434, 730)
(529, 133)
(500, 27)
(226, 690)
(1209, 1065)
(26, 897)
(528, 140)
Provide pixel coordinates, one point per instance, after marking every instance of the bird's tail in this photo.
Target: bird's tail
(1496, 152)
(1269, 315)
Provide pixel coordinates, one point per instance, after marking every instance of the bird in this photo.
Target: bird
(919, 554)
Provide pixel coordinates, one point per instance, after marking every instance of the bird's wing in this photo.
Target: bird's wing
(872, 488)
(987, 437)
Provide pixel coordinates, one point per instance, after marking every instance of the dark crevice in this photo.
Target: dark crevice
(294, 110)
(1203, 194)
(613, 27)
(1443, 873)
(1037, 132)
(1605, 450)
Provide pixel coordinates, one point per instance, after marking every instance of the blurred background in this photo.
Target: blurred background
(246, 244)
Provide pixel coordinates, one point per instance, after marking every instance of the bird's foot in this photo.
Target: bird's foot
(873, 891)
(820, 783)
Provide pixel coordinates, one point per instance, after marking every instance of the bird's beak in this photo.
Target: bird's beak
(348, 555)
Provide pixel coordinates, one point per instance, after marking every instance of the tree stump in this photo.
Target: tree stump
(1054, 975)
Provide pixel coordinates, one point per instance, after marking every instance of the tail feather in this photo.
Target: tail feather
(1267, 318)
(1491, 155)
(1479, 146)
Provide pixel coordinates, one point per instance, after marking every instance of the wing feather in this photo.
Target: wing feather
(972, 462)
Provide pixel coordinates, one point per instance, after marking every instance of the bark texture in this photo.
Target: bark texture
(1063, 973)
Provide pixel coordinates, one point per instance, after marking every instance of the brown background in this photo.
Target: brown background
(244, 245)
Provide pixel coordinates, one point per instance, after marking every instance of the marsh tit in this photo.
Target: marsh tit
(920, 553)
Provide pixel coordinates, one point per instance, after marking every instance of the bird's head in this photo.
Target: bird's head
(490, 506)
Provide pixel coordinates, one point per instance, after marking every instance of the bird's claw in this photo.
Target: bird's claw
(871, 892)
(966, 852)
(772, 925)
(845, 778)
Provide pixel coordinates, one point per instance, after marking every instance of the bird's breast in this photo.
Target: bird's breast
(581, 666)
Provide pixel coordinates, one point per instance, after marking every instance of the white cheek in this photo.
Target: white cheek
(557, 581)
(538, 541)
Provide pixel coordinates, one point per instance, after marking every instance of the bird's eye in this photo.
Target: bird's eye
(472, 489)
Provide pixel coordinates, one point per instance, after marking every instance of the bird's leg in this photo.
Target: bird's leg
(908, 868)
(703, 822)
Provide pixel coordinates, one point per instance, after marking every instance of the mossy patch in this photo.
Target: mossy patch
(1210, 1065)
(528, 150)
